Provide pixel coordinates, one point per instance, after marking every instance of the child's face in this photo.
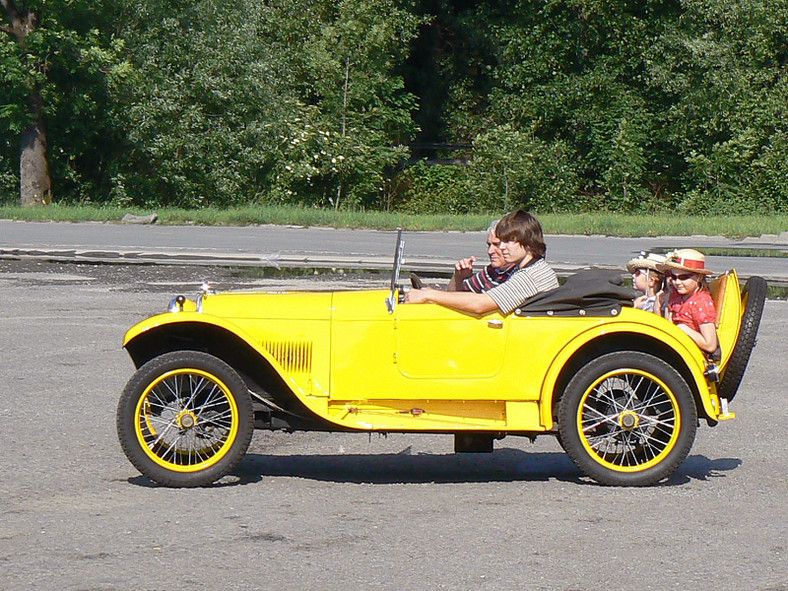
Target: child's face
(640, 279)
(684, 283)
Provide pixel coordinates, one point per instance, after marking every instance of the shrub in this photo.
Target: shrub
(511, 168)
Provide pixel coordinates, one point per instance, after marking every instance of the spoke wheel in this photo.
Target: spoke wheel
(185, 419)
(627, 419)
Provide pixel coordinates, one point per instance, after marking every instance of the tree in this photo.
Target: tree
(35, 183)
(512, 168)
(359, 115)
(723, 70)
(58, 61)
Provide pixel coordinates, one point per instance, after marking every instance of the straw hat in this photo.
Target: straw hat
(644, 261)
(687, 260)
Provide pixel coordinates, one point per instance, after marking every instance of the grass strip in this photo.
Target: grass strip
(602, 223)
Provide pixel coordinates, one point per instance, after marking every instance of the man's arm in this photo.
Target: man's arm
(464, 301)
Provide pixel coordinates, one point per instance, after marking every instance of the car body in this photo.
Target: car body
(622, 389)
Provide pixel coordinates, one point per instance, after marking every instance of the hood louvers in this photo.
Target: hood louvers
(294, 356)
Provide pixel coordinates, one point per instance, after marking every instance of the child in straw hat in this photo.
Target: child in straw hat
(691, 307)
(648, 279)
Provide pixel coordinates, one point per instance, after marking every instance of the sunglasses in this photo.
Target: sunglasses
(680, 276)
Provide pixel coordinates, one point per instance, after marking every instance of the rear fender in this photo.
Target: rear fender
(670, 344)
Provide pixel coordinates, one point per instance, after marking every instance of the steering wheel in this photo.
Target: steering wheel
(416, 281)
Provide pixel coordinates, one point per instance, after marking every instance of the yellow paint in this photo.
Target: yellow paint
(521, 415)
(354, 364)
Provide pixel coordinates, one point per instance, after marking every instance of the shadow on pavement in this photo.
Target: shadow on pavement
(702, 468)
(505, 465)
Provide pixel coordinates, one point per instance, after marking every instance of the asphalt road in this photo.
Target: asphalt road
(333, 512)
(352, 249)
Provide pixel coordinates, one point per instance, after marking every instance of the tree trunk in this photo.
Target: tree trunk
(35, 183)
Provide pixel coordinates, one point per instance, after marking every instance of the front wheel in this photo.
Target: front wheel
(627, 419)
(185, 419)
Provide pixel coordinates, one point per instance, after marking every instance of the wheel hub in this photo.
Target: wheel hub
(628, 420)
(187, 420)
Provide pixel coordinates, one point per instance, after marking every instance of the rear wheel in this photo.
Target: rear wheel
(185, 419)
(754, 296)
(627, 419)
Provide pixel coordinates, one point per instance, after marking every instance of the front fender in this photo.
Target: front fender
(659, 332)
(165, 324)
(169, 318)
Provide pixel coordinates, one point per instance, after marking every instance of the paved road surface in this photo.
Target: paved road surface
(339, 511)
(359, 249)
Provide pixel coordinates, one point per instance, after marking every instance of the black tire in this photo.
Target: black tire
(185, 419)
(627, 419)
(754, 297)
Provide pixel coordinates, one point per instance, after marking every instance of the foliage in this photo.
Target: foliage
(512, 169)
(658, 102)
(725, 72)
(72, 59)
(429, 189)
(298, 105)
(569, 105)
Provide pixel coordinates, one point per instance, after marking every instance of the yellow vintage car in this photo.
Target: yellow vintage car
(623, 390)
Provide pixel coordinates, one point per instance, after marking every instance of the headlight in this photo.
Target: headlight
(176, 304)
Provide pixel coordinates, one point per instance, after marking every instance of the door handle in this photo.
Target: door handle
(495, 323)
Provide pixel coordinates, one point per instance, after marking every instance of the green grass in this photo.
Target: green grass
(554, 223)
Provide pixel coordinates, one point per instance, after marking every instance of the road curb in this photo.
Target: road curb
(433, 266)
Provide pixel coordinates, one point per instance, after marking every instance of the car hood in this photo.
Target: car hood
(296, 305)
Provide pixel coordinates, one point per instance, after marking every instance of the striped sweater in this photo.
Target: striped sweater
(537, 276)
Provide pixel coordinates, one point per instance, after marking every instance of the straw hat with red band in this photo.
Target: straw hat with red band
(644, 261)
(687, 260)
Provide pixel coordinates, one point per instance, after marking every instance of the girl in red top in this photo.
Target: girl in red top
(690, 306)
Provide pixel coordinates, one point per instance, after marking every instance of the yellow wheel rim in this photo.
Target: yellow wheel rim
(628, 420)
(186, 420)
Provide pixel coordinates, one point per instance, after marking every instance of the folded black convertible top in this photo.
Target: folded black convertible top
(591, 292)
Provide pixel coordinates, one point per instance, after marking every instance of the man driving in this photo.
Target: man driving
(523, 247)
(498, 271)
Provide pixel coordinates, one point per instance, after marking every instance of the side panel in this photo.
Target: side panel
(300, 347)
(362, 355)
(436, 343)
(426, 352)
(535, 342)
(291, 331)
(293, 328)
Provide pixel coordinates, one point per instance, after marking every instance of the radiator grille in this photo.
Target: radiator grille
(294, 356)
